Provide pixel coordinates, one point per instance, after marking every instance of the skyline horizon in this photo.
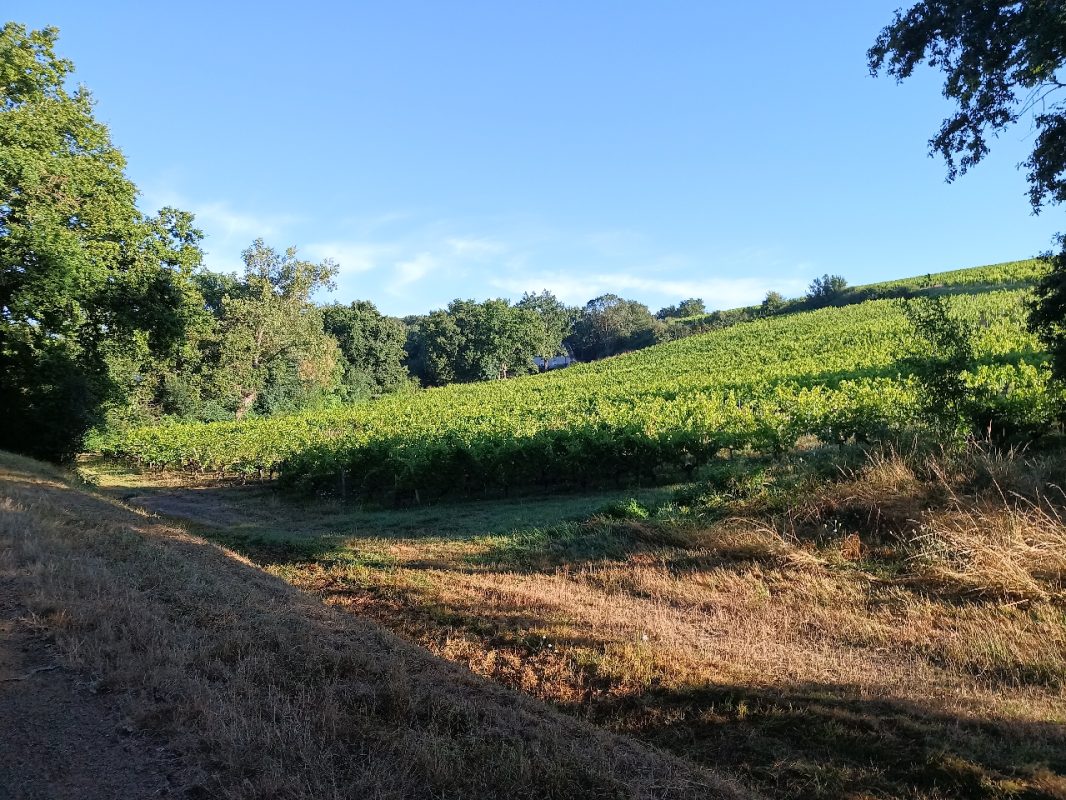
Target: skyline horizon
(476, 151)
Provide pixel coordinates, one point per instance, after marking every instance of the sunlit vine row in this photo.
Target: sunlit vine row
(834, 374)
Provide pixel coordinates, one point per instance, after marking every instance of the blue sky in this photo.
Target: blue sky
(480, 149)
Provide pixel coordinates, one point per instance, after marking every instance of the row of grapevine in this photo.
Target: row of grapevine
(832, 373)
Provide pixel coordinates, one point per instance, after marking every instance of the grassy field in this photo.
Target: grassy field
(264, 691)
(825, 624)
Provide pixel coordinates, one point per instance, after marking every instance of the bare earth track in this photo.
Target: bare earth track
(58, 740)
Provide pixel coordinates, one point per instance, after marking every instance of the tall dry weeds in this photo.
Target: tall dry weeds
(994, 546)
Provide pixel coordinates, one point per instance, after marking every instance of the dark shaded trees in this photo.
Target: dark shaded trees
(1047, 313)
(825, 290)
(556, 318)
(89, 289)
(609, 325)
(371, 346)
(693, 307)
(471, 341)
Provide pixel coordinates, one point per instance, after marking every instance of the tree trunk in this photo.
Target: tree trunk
(247, 401)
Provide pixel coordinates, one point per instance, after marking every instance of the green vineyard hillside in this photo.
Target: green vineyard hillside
(833, 373)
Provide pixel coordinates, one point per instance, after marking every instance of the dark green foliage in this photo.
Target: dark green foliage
(271, 352)
(49, 400)
(177, 397)
(372, 347)
(214, 286)
(692, 307)
(557, 320)
(89, 289)
(941, 353)
(609, 325)
(826, 290)
(286, 391)
(471, 341)
(773, 303)
(1001, 63)
(1047, 315)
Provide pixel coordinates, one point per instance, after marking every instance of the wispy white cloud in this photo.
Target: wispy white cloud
(220, 218)
(432, 251)
(572, 287)
(414, 269)
(474, 246)
(225, 221)
(353, 257)
(419, 261)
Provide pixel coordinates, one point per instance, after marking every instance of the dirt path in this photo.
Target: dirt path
(58, 741)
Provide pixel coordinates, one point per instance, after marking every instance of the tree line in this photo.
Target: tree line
(109, 316)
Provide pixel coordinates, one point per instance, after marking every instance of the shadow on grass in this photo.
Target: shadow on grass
(798, 741)
(260, 509)
(529, 550)
(264, 693)
(824, 741)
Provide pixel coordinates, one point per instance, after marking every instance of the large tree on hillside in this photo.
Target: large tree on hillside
(608, 325)
(86, 283)
(824, 290)
(693, 307)
(272, 350)
(556, 319)
(1002, 62)
(471, 341)
(155, 375)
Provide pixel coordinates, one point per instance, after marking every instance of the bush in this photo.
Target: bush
(941, 352)
(824, 290)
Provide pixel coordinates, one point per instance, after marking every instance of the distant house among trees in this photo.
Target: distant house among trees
(555, 362)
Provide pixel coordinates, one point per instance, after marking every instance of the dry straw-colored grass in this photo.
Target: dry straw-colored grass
(1016, 551)
(899, 632)
(271, 694)
(985, 524)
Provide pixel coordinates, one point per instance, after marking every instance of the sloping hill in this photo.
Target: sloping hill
(833, 373)
(268, 693)
(993, 277)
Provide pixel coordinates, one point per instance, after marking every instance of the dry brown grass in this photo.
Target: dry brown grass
(986, 524)
(1016, 551)
(900, 632)
(271, 694)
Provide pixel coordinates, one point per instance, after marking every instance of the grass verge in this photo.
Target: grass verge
(824, 625)
(268, 692)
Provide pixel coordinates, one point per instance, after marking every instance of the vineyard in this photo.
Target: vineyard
(834, 374)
